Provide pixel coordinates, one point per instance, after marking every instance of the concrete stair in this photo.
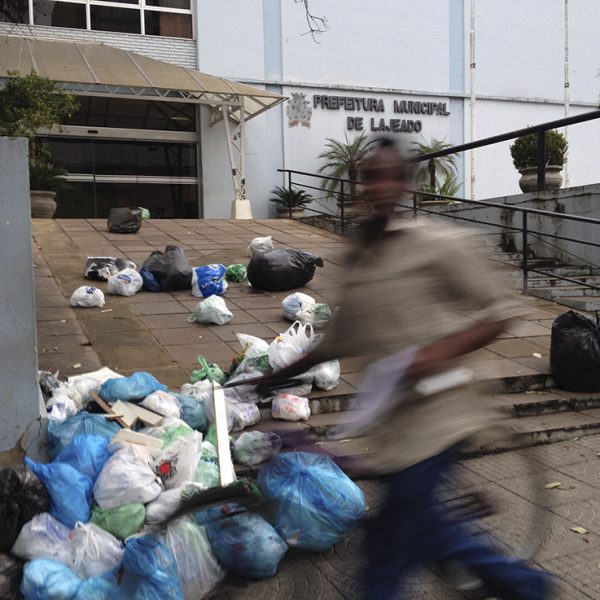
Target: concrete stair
(533, 417)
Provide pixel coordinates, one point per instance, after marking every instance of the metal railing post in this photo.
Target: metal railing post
(290, 189)
(525, 251)
(541, 160)
(342, 207)
(415, 202)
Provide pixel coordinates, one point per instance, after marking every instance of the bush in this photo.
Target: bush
(524, 150)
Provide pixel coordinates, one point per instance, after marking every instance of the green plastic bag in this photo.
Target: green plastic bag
(210, 371)
(207, 471)
(173, 433)
(121, 521)
(235, 272)
(145, 212)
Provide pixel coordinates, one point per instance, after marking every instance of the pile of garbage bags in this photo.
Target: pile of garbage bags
(88, 524)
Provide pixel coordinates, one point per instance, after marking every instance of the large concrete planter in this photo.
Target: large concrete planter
(528, 181)
(43, 204)
(297, 213)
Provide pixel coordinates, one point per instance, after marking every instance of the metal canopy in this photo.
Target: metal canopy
(98, 69)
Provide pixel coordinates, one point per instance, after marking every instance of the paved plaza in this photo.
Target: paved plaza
(150, 332)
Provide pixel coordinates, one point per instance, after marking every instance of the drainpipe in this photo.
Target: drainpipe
(472, 95)
(567, 84)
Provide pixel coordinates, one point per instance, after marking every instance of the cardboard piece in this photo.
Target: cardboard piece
(131, 412)
(108, 410)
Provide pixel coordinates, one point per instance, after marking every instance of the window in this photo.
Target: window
(168, 18)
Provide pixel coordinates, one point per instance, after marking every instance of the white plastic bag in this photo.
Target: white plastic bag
(166, 504)
(44, 537)
(243, 393)
(252, 348)
(290, 408)
(200, 390)
(125, 479)
(211, 310)
(209, 408)
(96, 550)
(327, 375)
(87, 296)
(244, 414)
(290, 346)
(162, 403)
(260, 244)
(125, 283)
(177, 464)
(296, 302)
(197, 566)
(60, 407)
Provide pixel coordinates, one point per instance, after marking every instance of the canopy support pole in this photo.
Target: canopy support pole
(240, 206)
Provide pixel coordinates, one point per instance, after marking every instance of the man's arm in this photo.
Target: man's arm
(432, 358)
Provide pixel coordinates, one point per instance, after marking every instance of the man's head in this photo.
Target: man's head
(385, 176)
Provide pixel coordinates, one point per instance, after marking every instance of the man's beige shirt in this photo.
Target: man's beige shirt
(419, 283)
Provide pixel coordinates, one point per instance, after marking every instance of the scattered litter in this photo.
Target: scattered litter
(236, 272)
(87, 296)
(260, 244)
(63, 321)
(106, 310)
(170, 269)
(579, 530)
(209, 280)
(124, 220)
(125, 283)
(282, 269)
(554, 484)
(537, 355)
(211, 310)
(77, 366)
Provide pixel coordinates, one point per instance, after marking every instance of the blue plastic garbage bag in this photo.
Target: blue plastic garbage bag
(84, 423)
(47, 579)
(316, 503)
(149, 571)
(98, 588)
(70, 491)
(192, 411)
(150, 282)
(209, 280)
(245, 544)
(87, 454)
(135, 387)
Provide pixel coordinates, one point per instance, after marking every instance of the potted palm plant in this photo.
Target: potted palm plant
(524, 154)
(342, 160)
(290, 202)
(29, 103)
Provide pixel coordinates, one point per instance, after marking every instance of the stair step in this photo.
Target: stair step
(580, 303)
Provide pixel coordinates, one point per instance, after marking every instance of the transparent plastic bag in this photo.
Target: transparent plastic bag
(44, 537)
(197, 566)
(290, 346)
(245, 414)
(96, 551)
(254, 447)
(162, 403)
(317, 315)
(125, 479)
(211, 310)
(326, 376)
(288, 407)
(260, 244)
(294, 303)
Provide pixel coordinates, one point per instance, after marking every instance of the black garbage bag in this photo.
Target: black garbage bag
(282, 269)
(124, 220)
(32, 497)
(10, 513)
(170, 268)
(100, 268)
(575, 352)
(11, 573)
(22, 496)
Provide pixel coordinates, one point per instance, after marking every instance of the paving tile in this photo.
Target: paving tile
(259, 302)
(578, 573)
(193, 334)
(111, 324)
(58, 329)
(64, 362)
(266, 314)
(123, 339)
(61, 343)
(165, 307)
(515, 347)
(227, 333)
(522, 328)
(504, 367)
(185, 354)
(164, 321)
(141, 358)
(56, 313)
